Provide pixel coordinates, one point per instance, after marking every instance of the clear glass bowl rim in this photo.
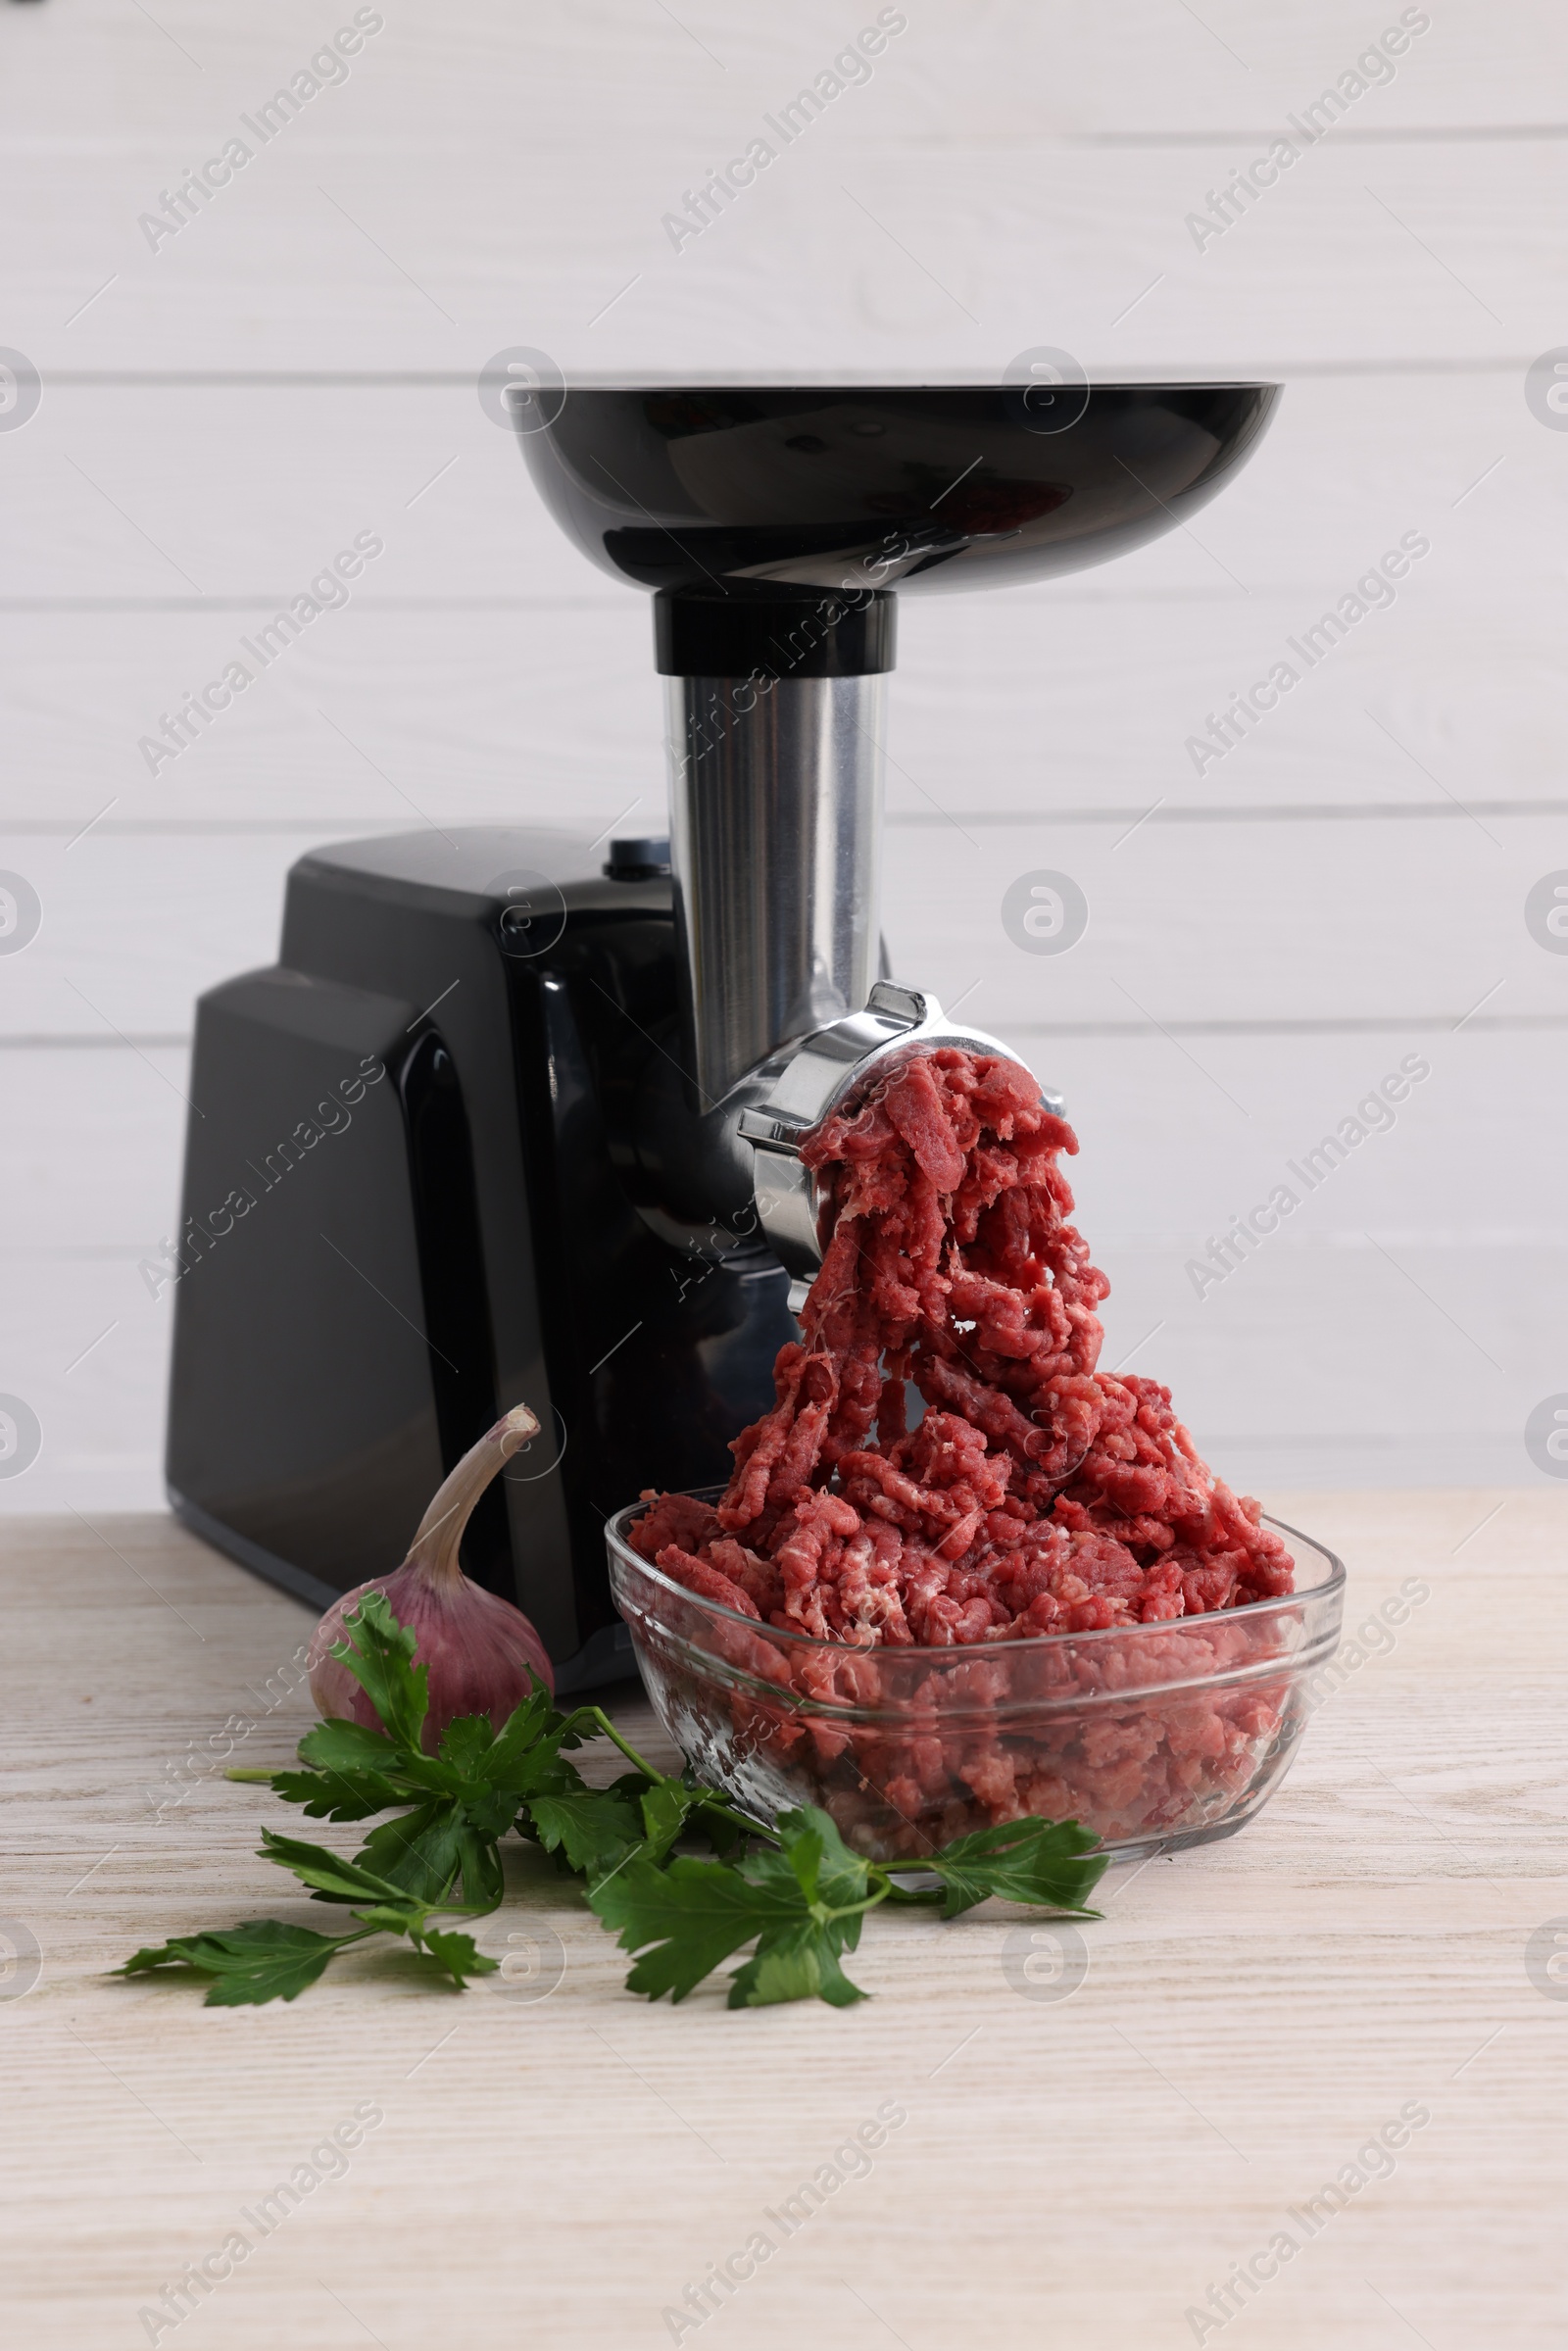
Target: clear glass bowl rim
(1330, 1588)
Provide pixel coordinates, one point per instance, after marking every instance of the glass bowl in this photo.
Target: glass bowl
(1151, 1735)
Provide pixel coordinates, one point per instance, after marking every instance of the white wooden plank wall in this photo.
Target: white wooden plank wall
(221, 414)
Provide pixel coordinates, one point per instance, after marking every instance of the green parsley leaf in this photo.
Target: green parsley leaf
(802, 1905)
(334, 1879)
(1023, 1861)
(644, 1812)
(378, 1653)
(425, 1853)
(513, 1746)
(666, 1809)
(344, 1746)
(338, 1795)
(695, 1912)
(710, 1819)
(458, 1954)
(594, 1827)
(465, 1743)
(824, 1867)
(795, 1963)
(479, 1871)
(262, 1960)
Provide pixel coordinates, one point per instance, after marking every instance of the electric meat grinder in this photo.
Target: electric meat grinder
(512, 1121)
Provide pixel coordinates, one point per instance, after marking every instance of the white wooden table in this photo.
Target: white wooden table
(558, 2171)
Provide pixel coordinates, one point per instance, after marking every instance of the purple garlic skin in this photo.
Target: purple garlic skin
(478, 1650)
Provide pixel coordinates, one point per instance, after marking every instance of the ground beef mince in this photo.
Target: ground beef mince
(1035, 1494)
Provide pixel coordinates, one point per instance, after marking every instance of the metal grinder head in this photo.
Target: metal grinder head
(776, 527)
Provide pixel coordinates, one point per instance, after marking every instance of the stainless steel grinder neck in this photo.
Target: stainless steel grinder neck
(775, 712)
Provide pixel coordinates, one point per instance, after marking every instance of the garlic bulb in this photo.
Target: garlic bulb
(477, 1650)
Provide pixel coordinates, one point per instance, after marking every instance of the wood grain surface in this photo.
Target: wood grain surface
(298, 364)
(559, 2170)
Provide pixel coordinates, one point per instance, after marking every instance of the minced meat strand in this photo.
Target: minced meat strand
(1037, 1493)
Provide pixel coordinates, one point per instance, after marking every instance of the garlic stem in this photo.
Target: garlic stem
(434, 1547)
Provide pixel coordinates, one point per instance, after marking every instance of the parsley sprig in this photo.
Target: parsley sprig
(796, 1893)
